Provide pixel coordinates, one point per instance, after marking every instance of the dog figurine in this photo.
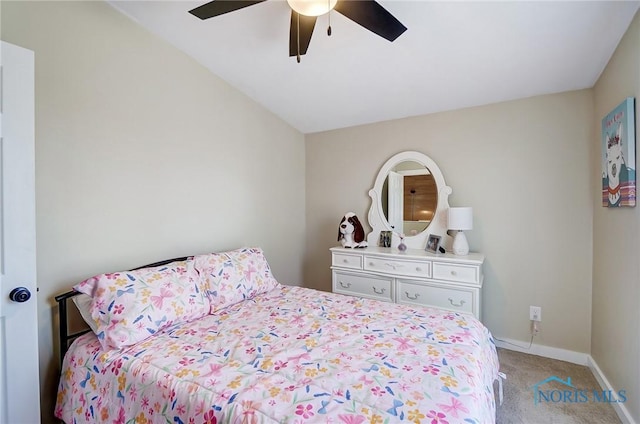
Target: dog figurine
(350, 231)
(616, 169)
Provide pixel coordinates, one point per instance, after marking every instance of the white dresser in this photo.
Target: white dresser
(412, 277)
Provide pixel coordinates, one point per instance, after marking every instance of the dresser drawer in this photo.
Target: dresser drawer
(345, 260)
(456, 272)
(363, 285)
(455, 299)
(398, 267)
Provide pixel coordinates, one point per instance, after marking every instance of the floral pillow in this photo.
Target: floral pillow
(130, 306)
(231, 277)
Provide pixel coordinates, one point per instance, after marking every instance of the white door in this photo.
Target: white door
(19, 376)
(396, 201)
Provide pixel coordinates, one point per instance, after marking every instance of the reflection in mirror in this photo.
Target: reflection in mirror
(409, 198)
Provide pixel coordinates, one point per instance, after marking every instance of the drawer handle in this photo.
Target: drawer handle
(454, 273)
(345, 286)
(418, 269)
(346, 261)
(378, 292)
(414, 297)
(456, 305)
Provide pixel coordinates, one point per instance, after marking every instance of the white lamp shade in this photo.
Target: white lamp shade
(312, 7)
(460, 219)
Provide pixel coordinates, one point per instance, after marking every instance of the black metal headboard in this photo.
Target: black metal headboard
(65, 336)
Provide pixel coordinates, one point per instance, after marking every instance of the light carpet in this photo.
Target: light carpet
(524, 371)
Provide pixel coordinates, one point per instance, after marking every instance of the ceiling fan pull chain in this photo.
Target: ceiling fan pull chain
(329, 27)
(298, 36)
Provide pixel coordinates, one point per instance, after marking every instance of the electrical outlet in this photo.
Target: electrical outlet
(535, 313)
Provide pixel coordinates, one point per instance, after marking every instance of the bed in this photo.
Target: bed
(215, 339)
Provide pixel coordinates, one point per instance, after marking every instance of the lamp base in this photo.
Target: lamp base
(460, 244)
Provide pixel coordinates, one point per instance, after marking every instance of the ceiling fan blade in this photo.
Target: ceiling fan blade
(307, 23)
(372, 16)
(220, 7)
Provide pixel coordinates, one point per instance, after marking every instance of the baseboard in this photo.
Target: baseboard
(544, 351)
(620, 408)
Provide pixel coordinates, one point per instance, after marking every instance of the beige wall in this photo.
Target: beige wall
(615, 344)
(142, 154)
(524, 166)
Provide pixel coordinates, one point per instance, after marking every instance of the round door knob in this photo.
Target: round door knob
(20, 294)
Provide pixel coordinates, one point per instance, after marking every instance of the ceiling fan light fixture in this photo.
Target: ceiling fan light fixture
(312, 7)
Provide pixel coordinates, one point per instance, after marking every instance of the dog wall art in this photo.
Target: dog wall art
(619, 156)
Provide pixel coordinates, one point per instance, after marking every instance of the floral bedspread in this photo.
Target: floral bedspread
(291, 355)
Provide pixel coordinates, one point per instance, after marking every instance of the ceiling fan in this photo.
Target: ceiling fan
(304, 13)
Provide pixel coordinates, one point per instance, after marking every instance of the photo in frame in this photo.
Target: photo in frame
(385, 239)
(433, 243)
(619, 156)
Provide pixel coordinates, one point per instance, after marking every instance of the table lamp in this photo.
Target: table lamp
(459, 220)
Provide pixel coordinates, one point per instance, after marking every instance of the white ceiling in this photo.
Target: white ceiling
(453, 55)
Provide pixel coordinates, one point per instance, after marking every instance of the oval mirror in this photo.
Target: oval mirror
(409, 197)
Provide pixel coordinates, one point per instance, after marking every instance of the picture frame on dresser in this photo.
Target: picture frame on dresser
(385, 239)
(433, 243)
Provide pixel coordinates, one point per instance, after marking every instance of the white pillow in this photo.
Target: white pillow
(83, 303)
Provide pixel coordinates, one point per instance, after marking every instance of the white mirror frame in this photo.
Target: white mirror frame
(438, 224)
